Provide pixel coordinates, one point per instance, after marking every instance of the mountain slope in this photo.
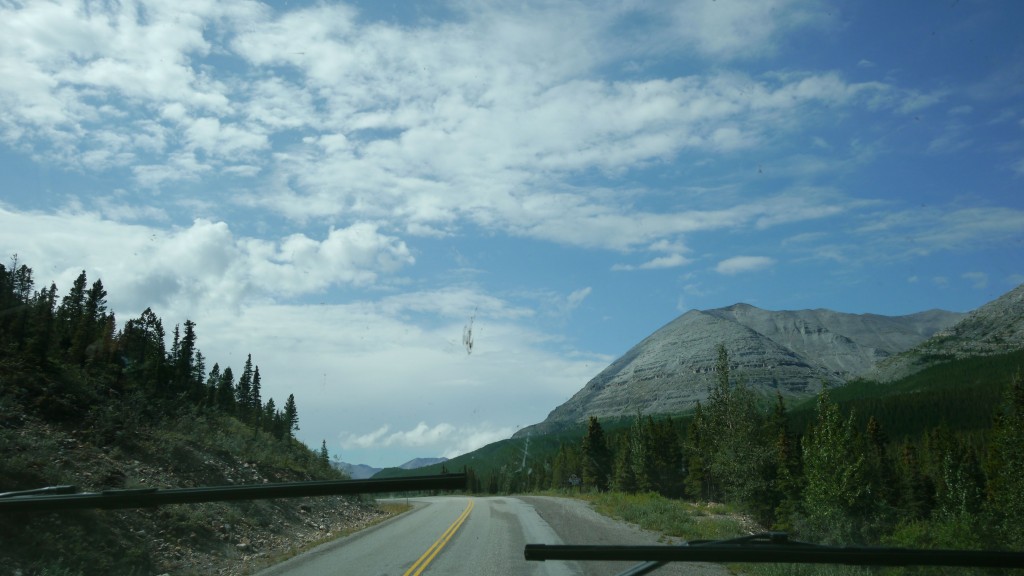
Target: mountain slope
(995, 328)
(363, 471)
(790, 351)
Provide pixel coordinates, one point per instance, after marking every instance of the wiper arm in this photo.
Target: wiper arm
(68, 498)
(775, 547)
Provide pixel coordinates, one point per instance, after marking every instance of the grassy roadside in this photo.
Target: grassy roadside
(673, 518)
(699, 521)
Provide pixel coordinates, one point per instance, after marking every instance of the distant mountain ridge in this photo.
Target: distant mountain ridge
(362, 471)
(993, 328)
(789, 351)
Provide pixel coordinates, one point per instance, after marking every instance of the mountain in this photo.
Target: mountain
(995, 328)
(789, 351)
(362, 471)
(421, 462)
(356, 471)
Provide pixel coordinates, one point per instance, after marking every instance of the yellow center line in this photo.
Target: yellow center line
(421, 564)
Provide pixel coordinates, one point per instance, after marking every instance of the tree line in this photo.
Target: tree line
(839, 479)
(41, 333)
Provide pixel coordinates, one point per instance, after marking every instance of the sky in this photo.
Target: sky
(350, 191)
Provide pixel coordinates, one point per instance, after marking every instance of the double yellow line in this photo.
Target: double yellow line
(420, 565)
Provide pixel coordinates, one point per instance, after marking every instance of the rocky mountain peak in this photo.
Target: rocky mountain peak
(792, 351)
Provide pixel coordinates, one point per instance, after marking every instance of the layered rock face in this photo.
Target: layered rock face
(995, 328)
(789, 351)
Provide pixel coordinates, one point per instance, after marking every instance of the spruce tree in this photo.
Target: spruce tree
(596, 457)
(1006, 492)
(255, 401)
(291, 416)
(243, 391)
(624, 480)
(325, 458)
(226, 391)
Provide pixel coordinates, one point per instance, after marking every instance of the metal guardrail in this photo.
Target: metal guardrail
(55, 498)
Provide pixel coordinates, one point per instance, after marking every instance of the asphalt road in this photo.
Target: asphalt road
(473, 535)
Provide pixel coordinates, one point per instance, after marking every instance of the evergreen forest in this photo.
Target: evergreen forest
(933, 461)
(88, 401)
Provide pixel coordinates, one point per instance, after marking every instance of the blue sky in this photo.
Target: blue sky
(341, 188)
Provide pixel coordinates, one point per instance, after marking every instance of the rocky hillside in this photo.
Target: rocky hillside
(196, 450)
(87, 402)
(790, 351)
(995, 328)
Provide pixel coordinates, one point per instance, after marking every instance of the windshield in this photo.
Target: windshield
(424, 227)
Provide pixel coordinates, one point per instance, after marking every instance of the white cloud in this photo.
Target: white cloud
(739, 264)
(442, 439)
(343, 118)
(741, 29)
(203, 264)
(577, 297)
(927, 230)
(669, 261)
(978, 280)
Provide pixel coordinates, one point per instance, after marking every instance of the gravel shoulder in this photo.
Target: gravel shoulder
(576, 522)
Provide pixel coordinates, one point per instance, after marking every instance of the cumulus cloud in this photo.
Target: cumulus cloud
(442, 439)
(343, 118)
(202, 264)
(739, 264)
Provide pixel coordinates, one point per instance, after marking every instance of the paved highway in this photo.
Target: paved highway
(471, 536)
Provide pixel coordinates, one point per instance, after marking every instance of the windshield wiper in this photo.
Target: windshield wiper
(68, 498)
(773, 547)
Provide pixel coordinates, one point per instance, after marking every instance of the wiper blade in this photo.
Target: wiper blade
(777, 548)
(59, 498)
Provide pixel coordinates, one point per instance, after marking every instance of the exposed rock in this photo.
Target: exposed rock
(789, 351)
(995, 328)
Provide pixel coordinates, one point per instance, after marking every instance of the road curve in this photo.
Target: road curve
(463, 535)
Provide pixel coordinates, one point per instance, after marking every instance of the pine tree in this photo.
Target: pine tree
(291, 416)
(255, 401)
(226, 391)
(325, 458)
(185, 366)
(1006, 488)
(880, 471)
(698, 471)
(69, 313)
(88, 326)
(243, 391)
(596, 457)
(269, 414)
(917, 492)
(142, 350)
(42, 332)
(624, 480)
(212, 385)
